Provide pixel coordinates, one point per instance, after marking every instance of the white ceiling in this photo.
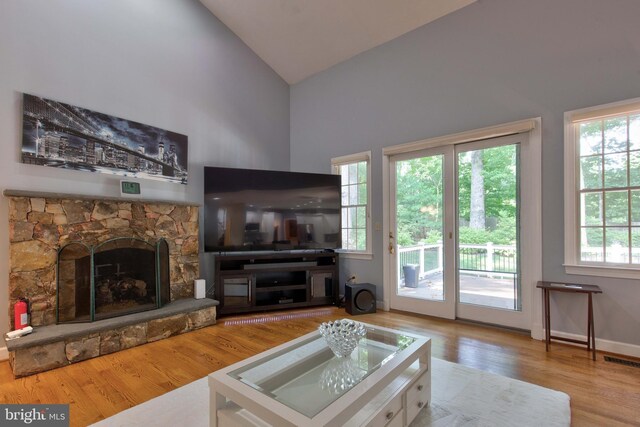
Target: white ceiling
(299, 38)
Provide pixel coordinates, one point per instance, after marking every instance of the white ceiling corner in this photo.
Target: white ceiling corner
(298, 38)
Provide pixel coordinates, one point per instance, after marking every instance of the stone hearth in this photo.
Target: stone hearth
(54, 346)
(41, 223)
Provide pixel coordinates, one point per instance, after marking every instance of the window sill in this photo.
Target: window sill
(603, 271)
(356, 255)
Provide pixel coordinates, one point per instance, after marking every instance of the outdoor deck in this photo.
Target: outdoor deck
(487, 291)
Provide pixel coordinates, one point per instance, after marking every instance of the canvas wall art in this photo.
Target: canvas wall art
(60, 135)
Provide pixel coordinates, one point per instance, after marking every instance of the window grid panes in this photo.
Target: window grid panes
(354, 205)
(609, 187)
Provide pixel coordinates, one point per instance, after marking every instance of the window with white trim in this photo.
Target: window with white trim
(603, 146)
(356, 196)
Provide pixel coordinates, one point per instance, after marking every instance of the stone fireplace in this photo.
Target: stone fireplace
(120, 276)
(83, 258)
(40, 226)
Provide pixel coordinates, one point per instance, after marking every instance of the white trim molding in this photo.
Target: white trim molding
(616, 347)
(572, 262)
(336, 162)
(600, 271)
(512, 128)
(364, 156)
(533, 217)
(533, 170)
(537, 331)
(4, 353)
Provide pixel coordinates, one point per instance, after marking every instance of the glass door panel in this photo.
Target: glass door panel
(488, 223)
(419, 209)
(488, 265)
(423, 279)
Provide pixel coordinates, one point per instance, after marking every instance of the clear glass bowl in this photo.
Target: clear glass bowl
(343, 335)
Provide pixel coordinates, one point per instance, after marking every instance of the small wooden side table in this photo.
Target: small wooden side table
(547, 288)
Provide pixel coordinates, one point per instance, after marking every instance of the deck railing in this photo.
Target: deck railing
(494, 260)
(615, 254)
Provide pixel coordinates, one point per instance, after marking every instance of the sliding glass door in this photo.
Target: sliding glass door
(488, 224)
(455, 232)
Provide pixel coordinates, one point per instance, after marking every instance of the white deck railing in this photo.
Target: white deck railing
(489, 258)
(615, 254)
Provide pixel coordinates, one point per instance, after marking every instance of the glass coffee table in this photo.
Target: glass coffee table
(385, 382)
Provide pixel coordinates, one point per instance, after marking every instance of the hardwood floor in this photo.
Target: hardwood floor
(602, 393)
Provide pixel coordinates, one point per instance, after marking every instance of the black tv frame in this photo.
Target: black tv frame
(284, 193)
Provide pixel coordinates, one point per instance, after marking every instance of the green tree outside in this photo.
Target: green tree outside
(419, 198)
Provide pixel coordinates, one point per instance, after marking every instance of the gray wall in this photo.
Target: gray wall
(492, 62)
(166, 63)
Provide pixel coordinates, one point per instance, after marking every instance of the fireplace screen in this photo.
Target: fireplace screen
(117, 277)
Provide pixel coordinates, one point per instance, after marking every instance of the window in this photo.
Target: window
(602, 190)
(356, 195)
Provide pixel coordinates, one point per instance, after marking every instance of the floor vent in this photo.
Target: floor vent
(622, 361)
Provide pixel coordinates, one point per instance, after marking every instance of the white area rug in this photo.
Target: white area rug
(460, 396)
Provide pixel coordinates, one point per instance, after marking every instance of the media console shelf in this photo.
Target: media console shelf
(256, 282)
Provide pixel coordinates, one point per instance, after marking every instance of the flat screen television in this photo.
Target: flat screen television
(263, 210)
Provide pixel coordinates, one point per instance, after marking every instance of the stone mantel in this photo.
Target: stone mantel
(65, 196)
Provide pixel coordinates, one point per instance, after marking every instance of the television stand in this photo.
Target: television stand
(251, 282)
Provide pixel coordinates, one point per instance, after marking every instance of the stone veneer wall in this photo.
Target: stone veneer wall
(40, 225)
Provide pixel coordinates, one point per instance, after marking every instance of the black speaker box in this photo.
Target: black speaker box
(360, 298)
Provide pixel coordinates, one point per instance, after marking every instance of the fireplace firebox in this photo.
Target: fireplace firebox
(120, 276)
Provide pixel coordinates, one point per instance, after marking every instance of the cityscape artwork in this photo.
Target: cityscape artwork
(63, 136)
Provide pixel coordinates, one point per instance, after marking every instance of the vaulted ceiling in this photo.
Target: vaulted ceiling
(299, 38)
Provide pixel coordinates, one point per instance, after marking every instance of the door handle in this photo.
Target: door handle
(391, 243)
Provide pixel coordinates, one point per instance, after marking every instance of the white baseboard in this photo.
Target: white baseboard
(4, 353)
(604, 345)
(537, 331)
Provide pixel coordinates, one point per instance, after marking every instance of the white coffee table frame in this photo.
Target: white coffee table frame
(223, 387)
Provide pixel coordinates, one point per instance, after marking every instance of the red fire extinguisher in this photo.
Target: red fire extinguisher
(21, 312)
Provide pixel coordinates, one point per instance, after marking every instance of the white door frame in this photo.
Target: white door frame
(531, 217)
(481, 313)
(445, 308)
